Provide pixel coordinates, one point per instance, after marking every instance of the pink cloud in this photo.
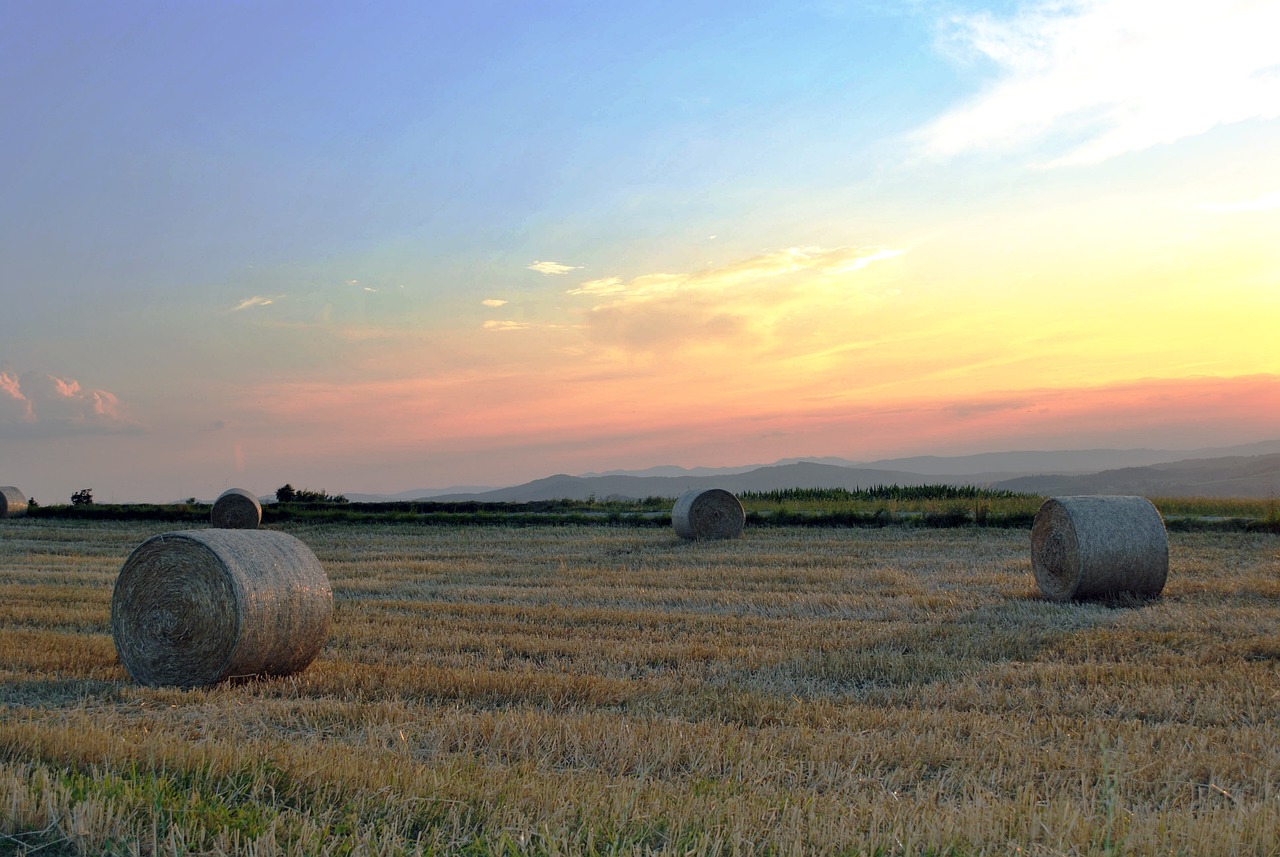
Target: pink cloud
(41, 404)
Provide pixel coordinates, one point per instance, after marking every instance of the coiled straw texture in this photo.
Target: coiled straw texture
(12, 502)
(236, 509)
(707, 514)
(197, 607)
(1095, 547)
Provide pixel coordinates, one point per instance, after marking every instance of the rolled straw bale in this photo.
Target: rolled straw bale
(707, 514)
(1087, 547)
(236, 509)
(12, 502)
(195, 607)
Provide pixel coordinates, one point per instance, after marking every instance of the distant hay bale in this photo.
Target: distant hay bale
(236, 509)
(1091, 547)
(710, 514)
(196, 607)
(12, 502)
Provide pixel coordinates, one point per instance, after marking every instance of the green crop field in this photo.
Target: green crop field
(611, 689)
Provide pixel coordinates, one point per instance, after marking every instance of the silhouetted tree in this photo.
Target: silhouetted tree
(286, 494)
(83, 497)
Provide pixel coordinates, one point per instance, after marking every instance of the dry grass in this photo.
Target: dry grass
(594, 690)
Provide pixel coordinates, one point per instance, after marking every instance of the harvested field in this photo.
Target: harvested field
(614, 689)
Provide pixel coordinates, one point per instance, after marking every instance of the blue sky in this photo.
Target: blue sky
(493, 240)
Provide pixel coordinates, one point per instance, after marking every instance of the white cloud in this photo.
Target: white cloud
(606, 286)
(256, 300)
(1093, 79)
(507, 325)
(493, 302)
(816, 261)
(552, 268)
(1266, 202)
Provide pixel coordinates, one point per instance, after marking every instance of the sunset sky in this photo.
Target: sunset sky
(368, 247)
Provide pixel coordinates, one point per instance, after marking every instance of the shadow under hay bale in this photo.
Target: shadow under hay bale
(197, 607)
(12, 502)
(710, 514)
(236, 509)
(1100, 547)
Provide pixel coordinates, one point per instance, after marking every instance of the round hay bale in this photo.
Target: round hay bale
(236, 509)
(1091, 547)
(196, 607)
(12, 502)
(710, 514)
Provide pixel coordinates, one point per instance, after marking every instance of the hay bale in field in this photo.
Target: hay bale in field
(193, 608)
(236, 509)
(710, 514)
(1090, 547)
(12, 502)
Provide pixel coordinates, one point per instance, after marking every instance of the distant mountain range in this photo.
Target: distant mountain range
(1251, 470)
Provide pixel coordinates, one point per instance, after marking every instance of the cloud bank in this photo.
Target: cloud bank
(1090, 80)
(39, 404)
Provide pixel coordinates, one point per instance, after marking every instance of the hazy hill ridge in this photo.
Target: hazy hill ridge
(1244, 471)
(1234, 476)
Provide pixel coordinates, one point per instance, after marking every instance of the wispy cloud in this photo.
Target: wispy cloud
(750, 302)
(256, 300)
(1089, 80)
(605, 286)
(816, 261)
(507, 325)
(493, 302)
(1266, 202)
(553, 268)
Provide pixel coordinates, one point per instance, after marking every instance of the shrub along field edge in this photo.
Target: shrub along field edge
(933, 506)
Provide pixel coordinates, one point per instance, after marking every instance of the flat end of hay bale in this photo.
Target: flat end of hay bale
(13, 503)
(708, 514)
(1099, 547)
(236, 509)
(196, 607)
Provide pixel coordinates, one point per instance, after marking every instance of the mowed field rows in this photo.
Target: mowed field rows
(614, 690)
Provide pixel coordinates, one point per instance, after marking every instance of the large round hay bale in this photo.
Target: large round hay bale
(236, 509)
(1091, 547)
(12, 502)
(193, 608)
(707, 514)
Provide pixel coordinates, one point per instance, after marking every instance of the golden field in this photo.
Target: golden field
(565, 690)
